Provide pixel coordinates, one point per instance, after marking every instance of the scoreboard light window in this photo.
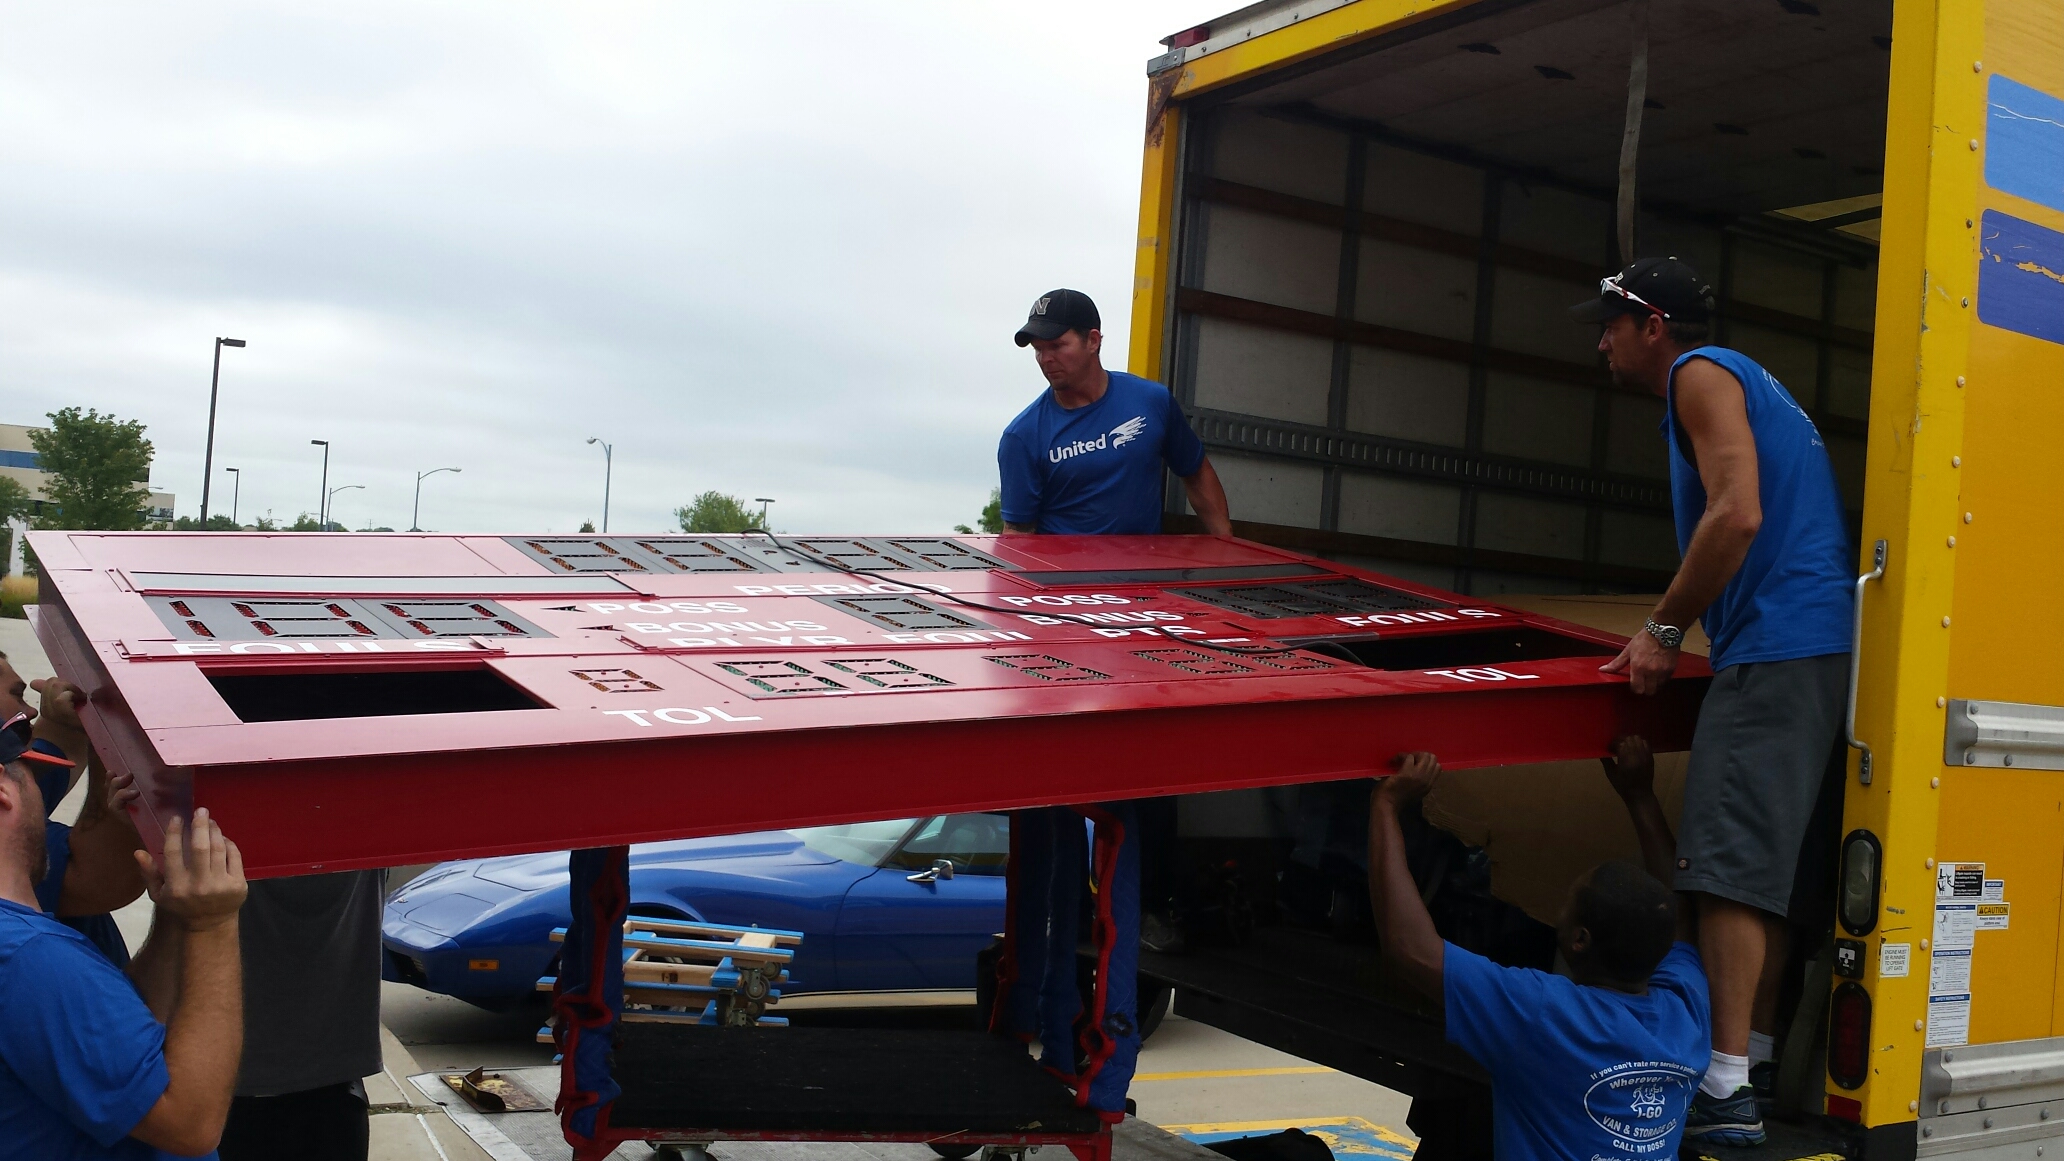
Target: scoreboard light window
(903, 614)
(847, 675)
(1318, 599)
(583, 555)
(697, 555)
(195, 618)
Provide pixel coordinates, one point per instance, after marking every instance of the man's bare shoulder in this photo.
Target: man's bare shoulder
(1701, 374)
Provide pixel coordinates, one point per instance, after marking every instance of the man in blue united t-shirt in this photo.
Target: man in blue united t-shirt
(1087, 456)
(1599, 1065)
(1769, 567)
(1090, 457)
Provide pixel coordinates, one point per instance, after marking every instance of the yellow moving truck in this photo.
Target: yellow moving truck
(1361, 223)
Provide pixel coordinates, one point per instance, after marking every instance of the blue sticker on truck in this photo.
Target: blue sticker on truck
(2024, 142)
(2021, 276)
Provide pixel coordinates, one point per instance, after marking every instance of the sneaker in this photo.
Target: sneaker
(1733, 1120)
(1161, 933)
(1763, 1078)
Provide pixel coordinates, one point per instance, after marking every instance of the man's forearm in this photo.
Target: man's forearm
(204, 1043)
(1410, 943)
(155, 968)
(102, 874)
(1208, 499)
(1718, 547)
(1658, 845)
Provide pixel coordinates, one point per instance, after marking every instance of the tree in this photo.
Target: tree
(265, 523)
(304, 523)
(992, 515)
(587, 526)
(99, 471)
(216, 523)
(16, 501)
(716, 512)
(15, 504)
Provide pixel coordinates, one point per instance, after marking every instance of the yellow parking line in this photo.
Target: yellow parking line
(1216, 1074)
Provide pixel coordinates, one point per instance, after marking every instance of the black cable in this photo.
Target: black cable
(849, 570)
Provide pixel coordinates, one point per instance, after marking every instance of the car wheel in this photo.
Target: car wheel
(1155, 999)
(956, 1151)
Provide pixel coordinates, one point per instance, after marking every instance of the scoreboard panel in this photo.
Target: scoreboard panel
(372, 699)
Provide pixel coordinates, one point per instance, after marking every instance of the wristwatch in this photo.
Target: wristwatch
(1668, 636)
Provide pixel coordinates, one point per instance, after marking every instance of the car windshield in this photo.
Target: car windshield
(866, 843)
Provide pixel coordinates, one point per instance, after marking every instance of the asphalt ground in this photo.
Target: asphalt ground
(1195, 1079)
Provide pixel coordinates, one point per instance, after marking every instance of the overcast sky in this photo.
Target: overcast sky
(772, 249)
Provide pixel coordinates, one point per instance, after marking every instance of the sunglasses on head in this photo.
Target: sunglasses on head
(20, 726)
(1612, 286)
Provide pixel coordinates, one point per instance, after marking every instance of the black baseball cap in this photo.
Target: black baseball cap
(1056, 313)
(1662, 286)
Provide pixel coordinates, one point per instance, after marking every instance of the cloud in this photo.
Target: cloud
(772, 249)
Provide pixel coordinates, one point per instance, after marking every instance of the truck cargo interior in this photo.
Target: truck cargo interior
(1375, 250)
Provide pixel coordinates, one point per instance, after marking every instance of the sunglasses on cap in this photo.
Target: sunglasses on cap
(1612, 286)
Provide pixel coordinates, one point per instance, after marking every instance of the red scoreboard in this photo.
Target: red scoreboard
(358, 700)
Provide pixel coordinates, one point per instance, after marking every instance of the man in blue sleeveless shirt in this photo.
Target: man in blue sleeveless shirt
(1767, 565)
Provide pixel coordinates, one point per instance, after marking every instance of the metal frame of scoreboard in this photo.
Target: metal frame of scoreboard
(372, 700)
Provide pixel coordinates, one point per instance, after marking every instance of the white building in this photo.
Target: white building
(19, 462)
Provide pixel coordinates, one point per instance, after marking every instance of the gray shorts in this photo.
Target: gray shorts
(1763, 739)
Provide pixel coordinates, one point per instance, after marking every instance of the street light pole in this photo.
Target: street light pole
(208, 457)
(763, 501)
(322, 513)
(236, 493)
(608, 469)
(415, 516)
(331, 495)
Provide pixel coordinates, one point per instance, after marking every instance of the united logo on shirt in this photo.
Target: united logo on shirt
(1118, 436)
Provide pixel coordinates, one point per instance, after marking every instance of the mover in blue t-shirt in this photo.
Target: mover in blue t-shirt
(1090, 456)
(87, 1068)
(1600, 1065)
(1769, 568)
(1087, 456)
(91, 871)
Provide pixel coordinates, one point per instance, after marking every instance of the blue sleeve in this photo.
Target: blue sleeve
(1683, 974)
(1180, 447)
(1019, 473)
(1488, 1006)
(57, 851)
(84, 1045)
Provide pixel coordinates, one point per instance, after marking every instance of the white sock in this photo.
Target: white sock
(1762, 1049)
(1724, 1075)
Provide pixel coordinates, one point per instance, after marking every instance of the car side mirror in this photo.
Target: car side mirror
(941, 869)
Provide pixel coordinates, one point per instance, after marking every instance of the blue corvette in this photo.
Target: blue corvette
(893, 912)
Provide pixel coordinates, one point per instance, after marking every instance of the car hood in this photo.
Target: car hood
(531, 872)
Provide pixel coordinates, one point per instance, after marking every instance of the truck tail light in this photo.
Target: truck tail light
(1861, 859)
(1849, 1019)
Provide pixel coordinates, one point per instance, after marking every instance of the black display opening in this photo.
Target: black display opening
(1453, 650)
(298, 697)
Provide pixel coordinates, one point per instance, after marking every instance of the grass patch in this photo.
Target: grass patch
(16, 591)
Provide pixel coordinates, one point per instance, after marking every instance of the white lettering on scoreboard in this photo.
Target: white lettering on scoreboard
(1426, 617)
(204, 648)
(680, 716)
